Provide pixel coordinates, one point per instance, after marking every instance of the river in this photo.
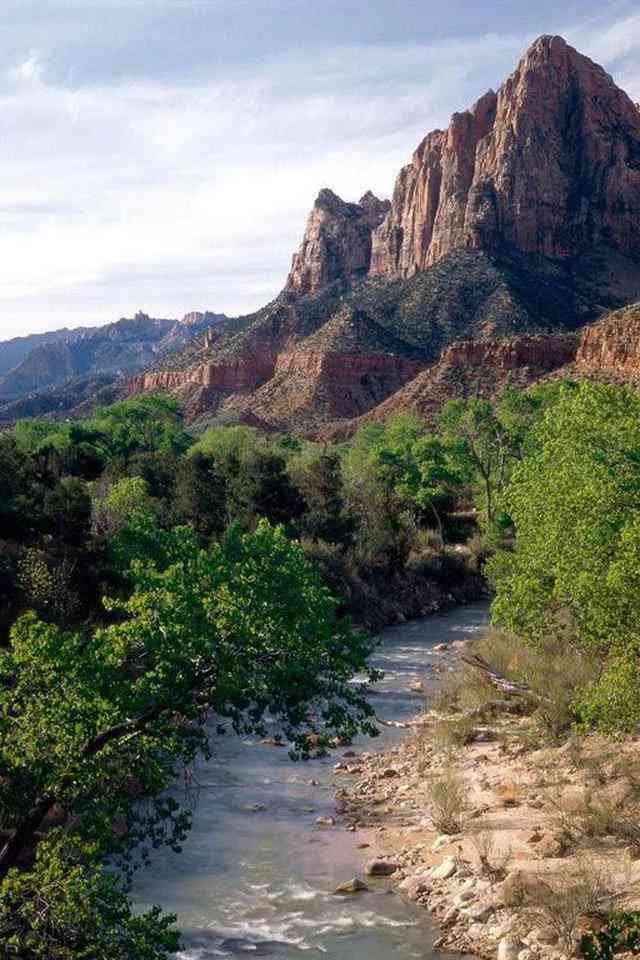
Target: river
(257, 873)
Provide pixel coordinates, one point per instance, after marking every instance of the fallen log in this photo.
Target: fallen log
(498, 679)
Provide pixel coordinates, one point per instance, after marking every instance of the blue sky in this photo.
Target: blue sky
(163, 154)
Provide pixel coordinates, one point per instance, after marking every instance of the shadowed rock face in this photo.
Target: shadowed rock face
(337, 241)
(550, 164)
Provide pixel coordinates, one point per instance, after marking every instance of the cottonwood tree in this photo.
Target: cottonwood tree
(96, 725)
(575, 503)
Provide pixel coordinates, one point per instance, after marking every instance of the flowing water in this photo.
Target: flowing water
(257, 873)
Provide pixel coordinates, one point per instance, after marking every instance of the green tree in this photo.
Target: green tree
(200, 495)
(575, 502)
(479, 444)
(240, 629)
(317, 475)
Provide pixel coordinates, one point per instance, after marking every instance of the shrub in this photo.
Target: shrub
(621, 934)
(562, 903)
(449, 732)
(551, 670)
(447, 800)
(595, 815)
(491, 861)
(612, 702)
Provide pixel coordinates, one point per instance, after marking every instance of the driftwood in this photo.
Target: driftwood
(491, 707)
(497, 679)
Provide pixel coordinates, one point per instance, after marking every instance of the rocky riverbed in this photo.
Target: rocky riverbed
(517, 877)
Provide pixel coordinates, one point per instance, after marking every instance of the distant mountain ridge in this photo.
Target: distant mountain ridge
(14, 351)
(113, 350)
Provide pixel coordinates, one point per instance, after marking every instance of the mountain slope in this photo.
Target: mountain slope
(117, 348)
(14, 351)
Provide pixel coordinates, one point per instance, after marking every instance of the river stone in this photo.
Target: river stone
(509, 948)
(380, 868)
(445, 869)
(414, 887)
(326, 822)
(352, 886)
(444, 840)
(480, 911)
(550, 846)
(545, 935)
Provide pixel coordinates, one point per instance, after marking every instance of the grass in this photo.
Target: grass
(447, 800)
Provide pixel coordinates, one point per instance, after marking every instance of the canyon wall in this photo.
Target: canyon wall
(611, 347)
(550, 164)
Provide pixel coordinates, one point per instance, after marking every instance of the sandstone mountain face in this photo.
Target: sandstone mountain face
(343, 369)
(508, 232)
(477, 368)
(337, 241)
(610, 349)
(550, 164)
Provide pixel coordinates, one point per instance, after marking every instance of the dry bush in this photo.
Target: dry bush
(586, 889)
(480, 549)
(553, 671)
(447, 800)
(423, 745)
(446, 698)
(448, 732)
(491, 861)
(594, 815)
(510, 794)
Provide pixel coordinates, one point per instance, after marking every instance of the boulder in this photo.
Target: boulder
(380, 868)
(414, 887)
(445, 869)
(351, 886)
(509, 948)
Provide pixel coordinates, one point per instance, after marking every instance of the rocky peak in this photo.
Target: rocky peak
(550, 164)
(337, 241)
(375, 210)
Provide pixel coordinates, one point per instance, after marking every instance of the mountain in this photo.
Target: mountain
(550, 164)
(14, 351)
(337, 241)
(507, 233)
(110, 351)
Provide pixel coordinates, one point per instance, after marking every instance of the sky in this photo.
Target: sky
(163, 154)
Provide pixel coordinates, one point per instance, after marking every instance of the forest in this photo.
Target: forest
(155, 583)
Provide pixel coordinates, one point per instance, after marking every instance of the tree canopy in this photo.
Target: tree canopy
(95, 726)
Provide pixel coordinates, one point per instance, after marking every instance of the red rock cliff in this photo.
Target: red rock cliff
(550, 164)
(611, 347)
(337, 241)
(482, 368)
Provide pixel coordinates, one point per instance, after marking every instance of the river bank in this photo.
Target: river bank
(533, 854)
(259, 869)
